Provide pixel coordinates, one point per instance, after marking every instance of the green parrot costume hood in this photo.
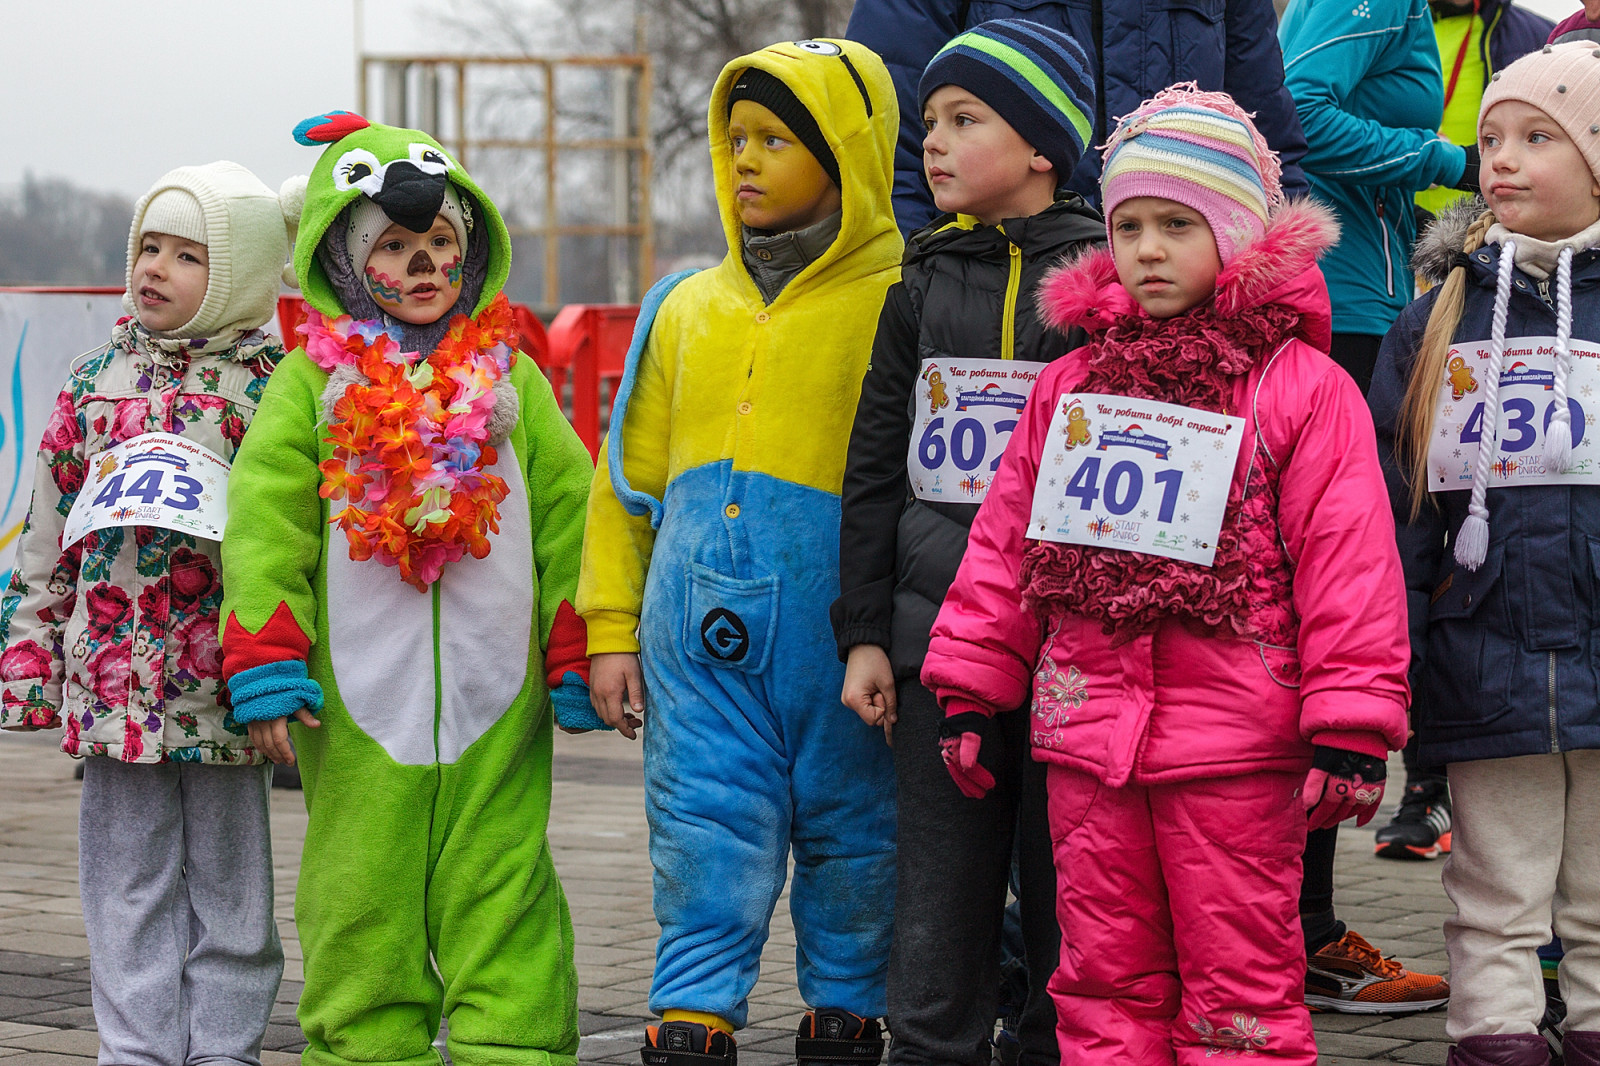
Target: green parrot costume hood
(404, 172)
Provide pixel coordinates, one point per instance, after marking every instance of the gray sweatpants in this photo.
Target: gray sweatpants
(1525, 856)
(175, 869)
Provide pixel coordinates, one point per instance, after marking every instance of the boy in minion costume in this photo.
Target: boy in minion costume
(711, 557)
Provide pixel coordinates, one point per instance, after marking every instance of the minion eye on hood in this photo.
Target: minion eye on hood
(403, 171)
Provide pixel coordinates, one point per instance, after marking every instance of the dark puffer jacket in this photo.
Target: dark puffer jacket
(1513, 32)
(1505, 659)
(898, 554)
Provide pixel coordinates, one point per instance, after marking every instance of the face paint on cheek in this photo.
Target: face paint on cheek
(452, 272)
(384, 289)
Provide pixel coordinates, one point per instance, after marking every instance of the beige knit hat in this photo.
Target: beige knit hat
(247, 237)
(1563, 81)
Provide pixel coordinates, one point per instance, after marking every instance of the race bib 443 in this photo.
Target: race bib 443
(156, 479)
(966, 410)
(1135, 475)
(1527, 405)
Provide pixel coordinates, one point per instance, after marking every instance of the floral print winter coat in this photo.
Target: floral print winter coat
(116, 638)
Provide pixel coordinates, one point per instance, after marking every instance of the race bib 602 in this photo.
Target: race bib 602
(966, 410)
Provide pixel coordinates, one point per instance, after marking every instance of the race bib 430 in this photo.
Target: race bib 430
(152, 480)
(966, 410)
(1136, 475)
(1527, 404)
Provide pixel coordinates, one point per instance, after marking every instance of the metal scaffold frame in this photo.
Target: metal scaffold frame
(628, 148)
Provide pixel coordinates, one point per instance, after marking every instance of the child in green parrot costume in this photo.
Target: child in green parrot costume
(405, 524)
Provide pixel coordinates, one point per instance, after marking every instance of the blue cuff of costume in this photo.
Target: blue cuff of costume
(571, 701)
(274, 690)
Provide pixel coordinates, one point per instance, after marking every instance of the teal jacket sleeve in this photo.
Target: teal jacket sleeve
(1329, 48)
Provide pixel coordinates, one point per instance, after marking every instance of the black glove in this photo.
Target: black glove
(1469, 176)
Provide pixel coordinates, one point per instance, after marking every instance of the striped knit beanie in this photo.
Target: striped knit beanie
(1202, 150)
(1034, 77)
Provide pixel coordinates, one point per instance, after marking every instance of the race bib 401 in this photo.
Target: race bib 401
(966, 410)
(152, 480)
(1527, 405)
(1136, 475)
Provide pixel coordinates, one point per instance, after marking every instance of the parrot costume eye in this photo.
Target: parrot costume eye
(430, 160)
(358, 169)
(819, 48)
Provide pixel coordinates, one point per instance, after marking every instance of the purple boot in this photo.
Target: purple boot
(1581, 1048)
(1513, 1049)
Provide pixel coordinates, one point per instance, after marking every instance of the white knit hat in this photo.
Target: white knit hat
(240, 221)
(177, 212)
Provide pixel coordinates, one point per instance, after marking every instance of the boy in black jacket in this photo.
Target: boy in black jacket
(1008, 107)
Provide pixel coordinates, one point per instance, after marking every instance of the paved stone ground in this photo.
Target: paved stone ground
(597, 834)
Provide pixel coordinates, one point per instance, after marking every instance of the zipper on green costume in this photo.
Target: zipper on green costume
(1008, 323)
(438, 672)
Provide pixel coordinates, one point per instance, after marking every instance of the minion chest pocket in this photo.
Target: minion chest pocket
(730, 622)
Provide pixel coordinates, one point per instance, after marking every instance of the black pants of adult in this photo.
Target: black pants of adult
(1358, 354)
(952, 869)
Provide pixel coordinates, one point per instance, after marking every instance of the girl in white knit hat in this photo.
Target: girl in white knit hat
(109, 628)
(1486, 398)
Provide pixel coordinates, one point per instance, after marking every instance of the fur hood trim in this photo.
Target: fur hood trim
(1085, 291)
(1440, 244)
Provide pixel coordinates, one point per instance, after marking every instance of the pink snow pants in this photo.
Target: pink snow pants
(1180, 925)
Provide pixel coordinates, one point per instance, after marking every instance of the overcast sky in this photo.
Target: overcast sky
(110, 94)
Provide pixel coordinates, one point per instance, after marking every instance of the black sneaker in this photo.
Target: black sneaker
(833, 1037)
(1421, 827)
(687, 1044)
(1555, 1012)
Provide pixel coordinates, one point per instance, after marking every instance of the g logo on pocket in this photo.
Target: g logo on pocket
(724, 635)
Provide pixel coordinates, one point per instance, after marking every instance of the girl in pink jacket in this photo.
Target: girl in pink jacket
(1187, 559)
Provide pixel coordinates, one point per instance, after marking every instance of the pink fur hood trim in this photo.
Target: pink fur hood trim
(1281, 267)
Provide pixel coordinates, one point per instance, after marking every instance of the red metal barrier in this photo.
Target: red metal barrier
(291, 312)
(589, 342)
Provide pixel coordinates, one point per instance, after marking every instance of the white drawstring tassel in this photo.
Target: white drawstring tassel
(1472, 541)
(1558, 440)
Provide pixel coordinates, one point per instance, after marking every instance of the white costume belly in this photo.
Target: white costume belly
(382, 642)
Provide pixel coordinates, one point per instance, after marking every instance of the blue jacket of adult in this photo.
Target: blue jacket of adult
(1366, 82)
(1147, 44)
(1505, 658)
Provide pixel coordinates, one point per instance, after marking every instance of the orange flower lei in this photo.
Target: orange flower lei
(410, 446)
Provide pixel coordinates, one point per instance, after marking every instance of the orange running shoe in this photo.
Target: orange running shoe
(1351, 976)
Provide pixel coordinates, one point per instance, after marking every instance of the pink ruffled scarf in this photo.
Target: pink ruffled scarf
(1190, 359)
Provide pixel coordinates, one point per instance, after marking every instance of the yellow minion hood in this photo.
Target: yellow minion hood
(848, 91)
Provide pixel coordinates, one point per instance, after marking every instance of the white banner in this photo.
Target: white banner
(40, 335)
